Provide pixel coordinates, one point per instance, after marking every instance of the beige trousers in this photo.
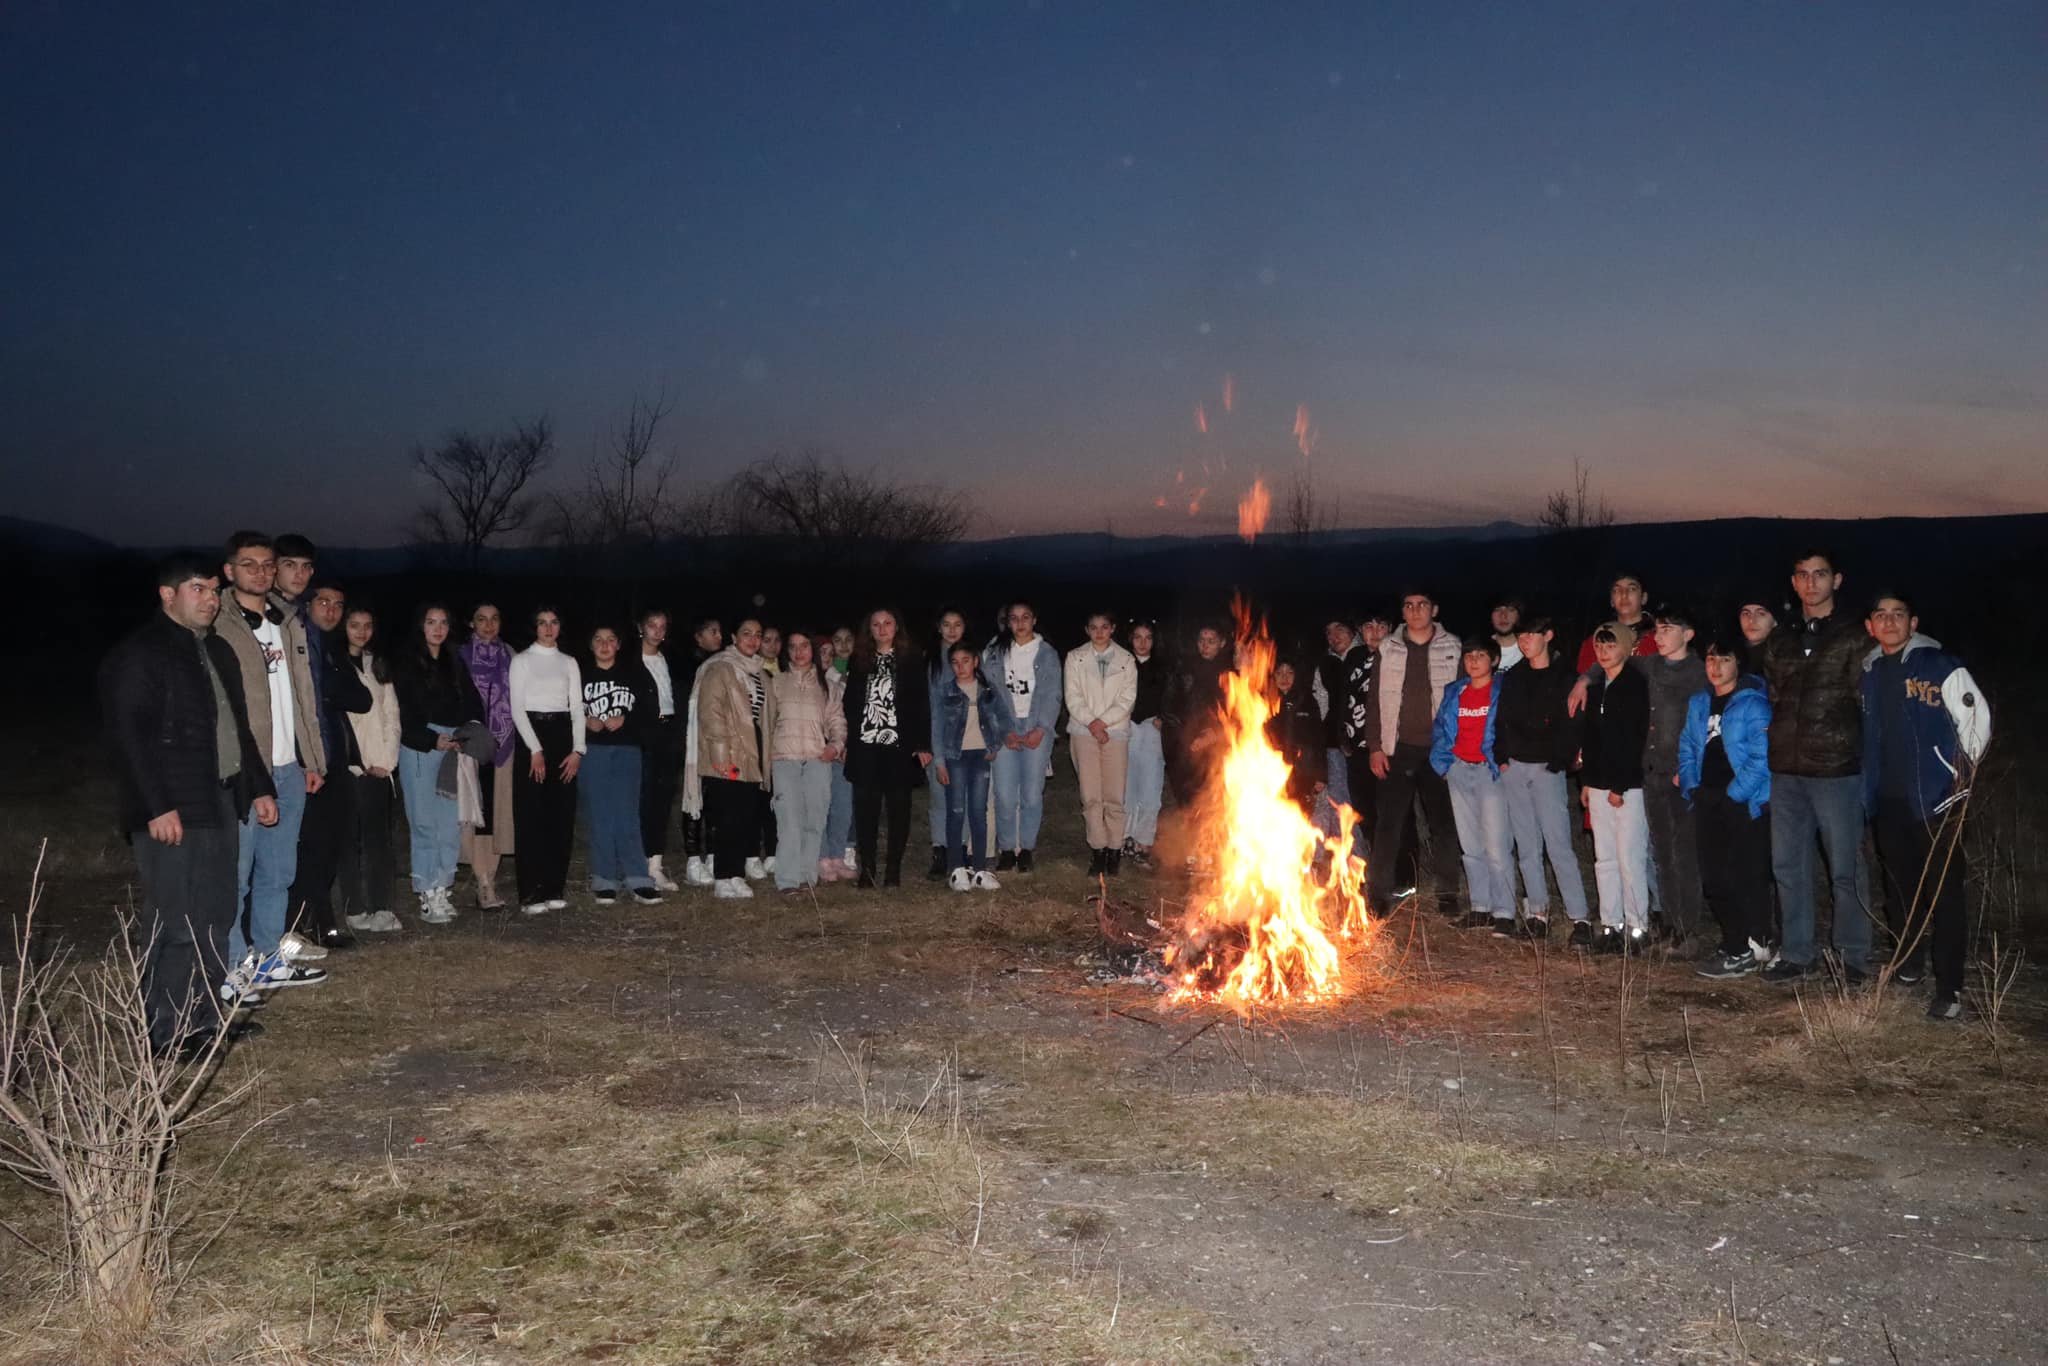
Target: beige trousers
(482, 852)
(1101, 770)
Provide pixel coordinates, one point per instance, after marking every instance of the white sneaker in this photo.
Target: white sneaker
(960, 880)
(431, 912)
(659, 875)
(985, 881)
(697, 872)
(384, 922)
(769, 864)
(852, 861)
(534, 908)
(445, 899)
(1764, 953)
(731, 889)
(362, 924)
(297, 948)
(242, 988)
(756, 870)
(555, 903)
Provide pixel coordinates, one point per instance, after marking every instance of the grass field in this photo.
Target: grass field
(904, 1127)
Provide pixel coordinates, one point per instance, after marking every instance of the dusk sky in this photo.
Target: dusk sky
(1778, 259)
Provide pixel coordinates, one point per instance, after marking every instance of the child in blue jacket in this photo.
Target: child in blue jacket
(1724, 771)
(1461, 751)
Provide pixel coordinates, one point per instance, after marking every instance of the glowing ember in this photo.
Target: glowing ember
(1252, 510)
(1229, 393)
(1268, 928)
(1201, 419)
(1306, 434)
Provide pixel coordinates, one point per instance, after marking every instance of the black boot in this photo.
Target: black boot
(937, 872)
(1023, 860)
(1006, 860)
(1098, 863)
(1114, 858)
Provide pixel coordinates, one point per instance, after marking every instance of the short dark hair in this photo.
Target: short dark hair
(1534, 625)
(648, 614)
(182, 565)
(1673, 614)
(1726, 644)
(961, 647)
(1818, 552)
(1511, 601)
(1897, 594)
(240, 541)
(1416, 590)
(293, 546)
(1381, 617)
(1483, 644)
(1625, 574)
(323, 583)
(698, 625)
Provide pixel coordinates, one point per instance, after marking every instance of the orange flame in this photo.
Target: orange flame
(1306, 434)
(1266, 893)
(1201, 420)
(1229, 393)
(1252, 510)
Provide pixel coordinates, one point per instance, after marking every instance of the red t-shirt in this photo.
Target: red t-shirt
(1473, 705)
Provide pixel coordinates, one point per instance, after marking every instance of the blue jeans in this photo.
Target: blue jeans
(1020, 794)
(838, 817)
(267, 859)
(966, 811)
(803, 794)
(1144, 784)
(608, 796)
(1479, 805)
(935, 805)
(1540, 813)
(1833, 809)
(430, 817)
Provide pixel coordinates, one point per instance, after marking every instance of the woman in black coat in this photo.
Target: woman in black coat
(888, 726)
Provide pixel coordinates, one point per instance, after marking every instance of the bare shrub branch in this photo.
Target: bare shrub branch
(1576, 507)
(481, 486)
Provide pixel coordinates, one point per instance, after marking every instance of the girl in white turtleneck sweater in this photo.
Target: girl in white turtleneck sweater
(547, 711)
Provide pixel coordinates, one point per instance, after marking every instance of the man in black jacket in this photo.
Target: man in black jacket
(330, 813)
(1814, 670)
(189, 770)
(1536, 741)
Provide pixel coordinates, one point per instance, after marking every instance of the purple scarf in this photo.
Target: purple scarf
(490, 668)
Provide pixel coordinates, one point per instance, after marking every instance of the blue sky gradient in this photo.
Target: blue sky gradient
(1740, 258)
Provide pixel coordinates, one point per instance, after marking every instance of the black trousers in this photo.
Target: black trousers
(764, 824)
(323, 838)
(1409, 780)
(1734, 853)
(367, 867)
(869, 799)
(1675, 849)
(544, 812)
(190, 896)
(1365, 799)
(730, 813)
(661, 773)
(1923, 879)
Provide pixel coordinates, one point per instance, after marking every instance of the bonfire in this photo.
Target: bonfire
(1276, 902)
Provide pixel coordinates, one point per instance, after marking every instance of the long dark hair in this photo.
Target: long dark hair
(818, 666)
(380, 667)
(421, 660)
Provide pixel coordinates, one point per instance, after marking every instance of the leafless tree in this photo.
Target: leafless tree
(627, 496)
(1305, 512)
(481, 483)
(856, 515)
(1577, 507)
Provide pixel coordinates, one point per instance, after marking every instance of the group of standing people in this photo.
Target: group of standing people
(263, 730)
(1713, 761)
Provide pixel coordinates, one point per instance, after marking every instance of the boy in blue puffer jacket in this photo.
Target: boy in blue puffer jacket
(1724, 771)
(1926, 723)
(1461, 750)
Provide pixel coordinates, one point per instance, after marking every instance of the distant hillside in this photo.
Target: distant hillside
(46, 538)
